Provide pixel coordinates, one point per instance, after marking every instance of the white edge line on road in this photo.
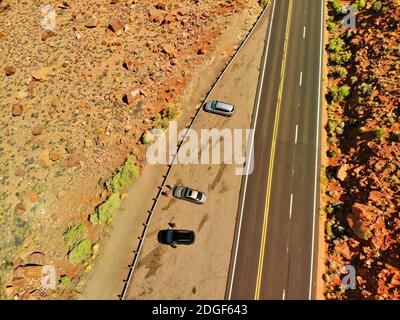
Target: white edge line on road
(304, 32)
(296, 134)
(250, 153)
(301, 78)
(291, 206)
(316, 154)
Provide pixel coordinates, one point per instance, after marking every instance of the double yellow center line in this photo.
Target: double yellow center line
(272, 158)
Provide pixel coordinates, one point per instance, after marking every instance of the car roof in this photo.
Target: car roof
(223, 106)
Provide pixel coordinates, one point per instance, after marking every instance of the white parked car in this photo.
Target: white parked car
(189, 194)
(219, 107)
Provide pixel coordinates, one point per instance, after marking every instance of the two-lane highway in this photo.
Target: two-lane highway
(274, 252)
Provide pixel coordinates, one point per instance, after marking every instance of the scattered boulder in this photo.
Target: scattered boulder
(202, 50)
(37, 258)
(32, 196)
(130, 65)
(17, 110)
(54, 156)
(131, 95)
(54, 102)
(18, 283)
(343, 249)
(170, 50)
(47, 33)
(154, 16)
(73, 160)
(21, 95)
(92, 22)
(20, 172)
(37, 130)
(41, 74)
(33, 272)
(44, 159)
(19, 209)
(342, 172)
(360, 220)
(4, 5)
(161, 6)
(9, 70)
(116, 24)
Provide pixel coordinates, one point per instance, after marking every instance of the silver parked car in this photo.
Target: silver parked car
(219, 107)
(188, 194)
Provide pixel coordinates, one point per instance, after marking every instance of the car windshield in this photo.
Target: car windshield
(214, 104)
(170, 237)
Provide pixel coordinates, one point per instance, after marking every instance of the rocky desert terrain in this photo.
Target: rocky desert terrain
(362, 173)
(81, 84)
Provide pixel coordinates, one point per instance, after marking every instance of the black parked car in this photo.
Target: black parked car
(175, 237)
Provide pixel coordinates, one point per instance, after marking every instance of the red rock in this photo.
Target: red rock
(343, 249)
(161, 6)
(19, 209)
(395, 279)
(91, 22)
(9, 70)
(169, 18)
(363, 211)
(33, 272)
(131, 95)
(20, 172)
(38, 130)
(73, 160)
(202, 50)
(47, 33)
(116, 24)
(17, 110)
(33, 196)
(44, 159)
(170, 50)
(37, 258)
(54, 156)
(54, 102)
(130, 65)
(342, 172)
(18, 283)
(154, 16)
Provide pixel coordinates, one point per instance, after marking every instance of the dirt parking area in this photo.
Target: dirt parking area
(200, 271)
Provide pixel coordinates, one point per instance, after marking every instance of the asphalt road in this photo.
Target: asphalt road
(275, 245)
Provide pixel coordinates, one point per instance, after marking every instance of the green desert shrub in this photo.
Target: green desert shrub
(336, 6)
(339, 72)
(336, 45)
(74, 234)
(81, 252)
(331, 26)
(377, 6)
(65, 281)
(162, 119)
(160, 122)
(360, 4)
(263, 3)
(332, 124)
(339, 58)
(379, 133)
(171, 112)
(338, 94)
(365, 89)
(124, 177)
(147, 138)
(106, 210)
